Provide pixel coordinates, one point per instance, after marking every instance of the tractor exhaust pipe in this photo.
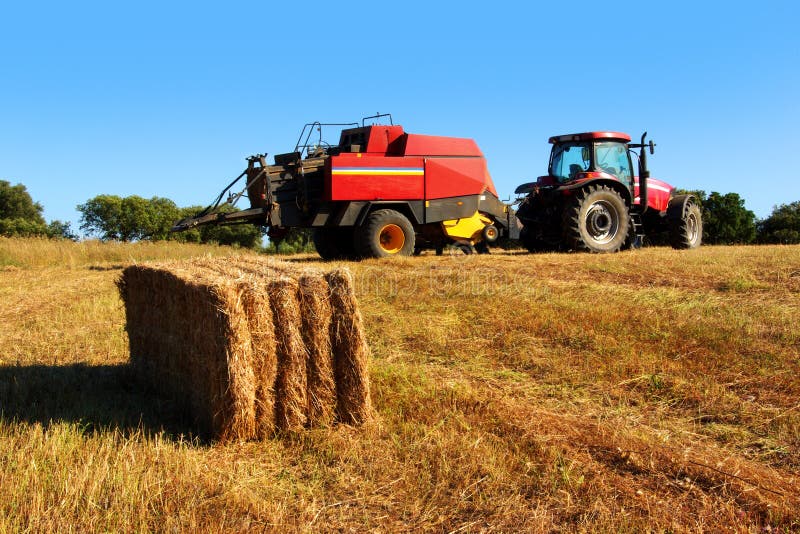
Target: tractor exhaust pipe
(644, 172)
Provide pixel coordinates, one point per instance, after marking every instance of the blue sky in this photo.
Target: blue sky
(167, 99)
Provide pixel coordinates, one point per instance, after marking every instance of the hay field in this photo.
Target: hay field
(648, 390)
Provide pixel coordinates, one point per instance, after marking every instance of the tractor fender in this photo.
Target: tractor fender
(676, 210)
(613, 184)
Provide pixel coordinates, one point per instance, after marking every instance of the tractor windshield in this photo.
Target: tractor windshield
(568, 159)
(612, 157)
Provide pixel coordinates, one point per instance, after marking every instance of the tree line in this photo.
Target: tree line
(726, 221)
(20, 216)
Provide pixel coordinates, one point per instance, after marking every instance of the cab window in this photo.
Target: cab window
(612, 157)
(569, 159)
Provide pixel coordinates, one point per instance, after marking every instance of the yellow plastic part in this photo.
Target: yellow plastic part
(469, 228)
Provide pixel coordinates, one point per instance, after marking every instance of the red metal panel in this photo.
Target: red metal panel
(658, 193)
(380, 137)
(589, 136)
(431, 145)
(454, 177)
(368, 177)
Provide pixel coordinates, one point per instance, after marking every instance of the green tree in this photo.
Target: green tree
(148, 219)
(134, 218)
(101, 216)
(19, 227)
(240, 235)
(60, 230)
(128, 219)
(20, 216)
(188, 236)
(782, 226)
(16, 203)
(698, 194)
(726, 221)
(293, 241)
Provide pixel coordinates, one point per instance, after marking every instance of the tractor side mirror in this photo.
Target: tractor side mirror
(652, 146)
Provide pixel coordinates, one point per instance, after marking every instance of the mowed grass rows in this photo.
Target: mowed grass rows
(652, 389)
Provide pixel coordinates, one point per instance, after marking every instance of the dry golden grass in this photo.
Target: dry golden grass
(648, 390)
(26, 253)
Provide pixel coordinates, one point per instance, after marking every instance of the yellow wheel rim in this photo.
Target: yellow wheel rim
(392, 238)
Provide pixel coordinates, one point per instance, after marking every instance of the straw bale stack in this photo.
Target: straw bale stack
(249, 346)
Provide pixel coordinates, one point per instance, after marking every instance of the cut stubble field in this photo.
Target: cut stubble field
(646, 390)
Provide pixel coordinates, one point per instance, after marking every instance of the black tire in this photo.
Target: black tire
(632, 240)
(385, 233)
(482, 248)
(597, 220)
(533, 243)
(687, 231)
(334, 243)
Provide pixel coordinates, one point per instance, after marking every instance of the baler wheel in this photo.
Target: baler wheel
(597, 220)
(391, 238)
(385, 233)
(482, 248)
(334, 243)
(687, 232)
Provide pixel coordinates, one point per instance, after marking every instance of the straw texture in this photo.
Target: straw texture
(316, 310)
(249, 346)
(350, 350)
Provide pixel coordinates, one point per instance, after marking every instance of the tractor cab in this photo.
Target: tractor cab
(580, 157)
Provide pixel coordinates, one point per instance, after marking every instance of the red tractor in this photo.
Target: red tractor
(592, 200)
(378, 192)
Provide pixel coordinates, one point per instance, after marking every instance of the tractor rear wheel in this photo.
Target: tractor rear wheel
(385, 233)
(334, 243)
(597, 220)
(687, 232)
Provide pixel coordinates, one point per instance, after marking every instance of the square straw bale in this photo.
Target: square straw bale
(316, 314)
(350, 350)
(250, 345)
(190, 339)
(291, 382)
(255, 301)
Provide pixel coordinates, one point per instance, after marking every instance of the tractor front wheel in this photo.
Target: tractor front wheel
(597, 220)
(687, 232)
(385, 233)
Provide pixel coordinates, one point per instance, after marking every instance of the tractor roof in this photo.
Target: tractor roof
(591, 136)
